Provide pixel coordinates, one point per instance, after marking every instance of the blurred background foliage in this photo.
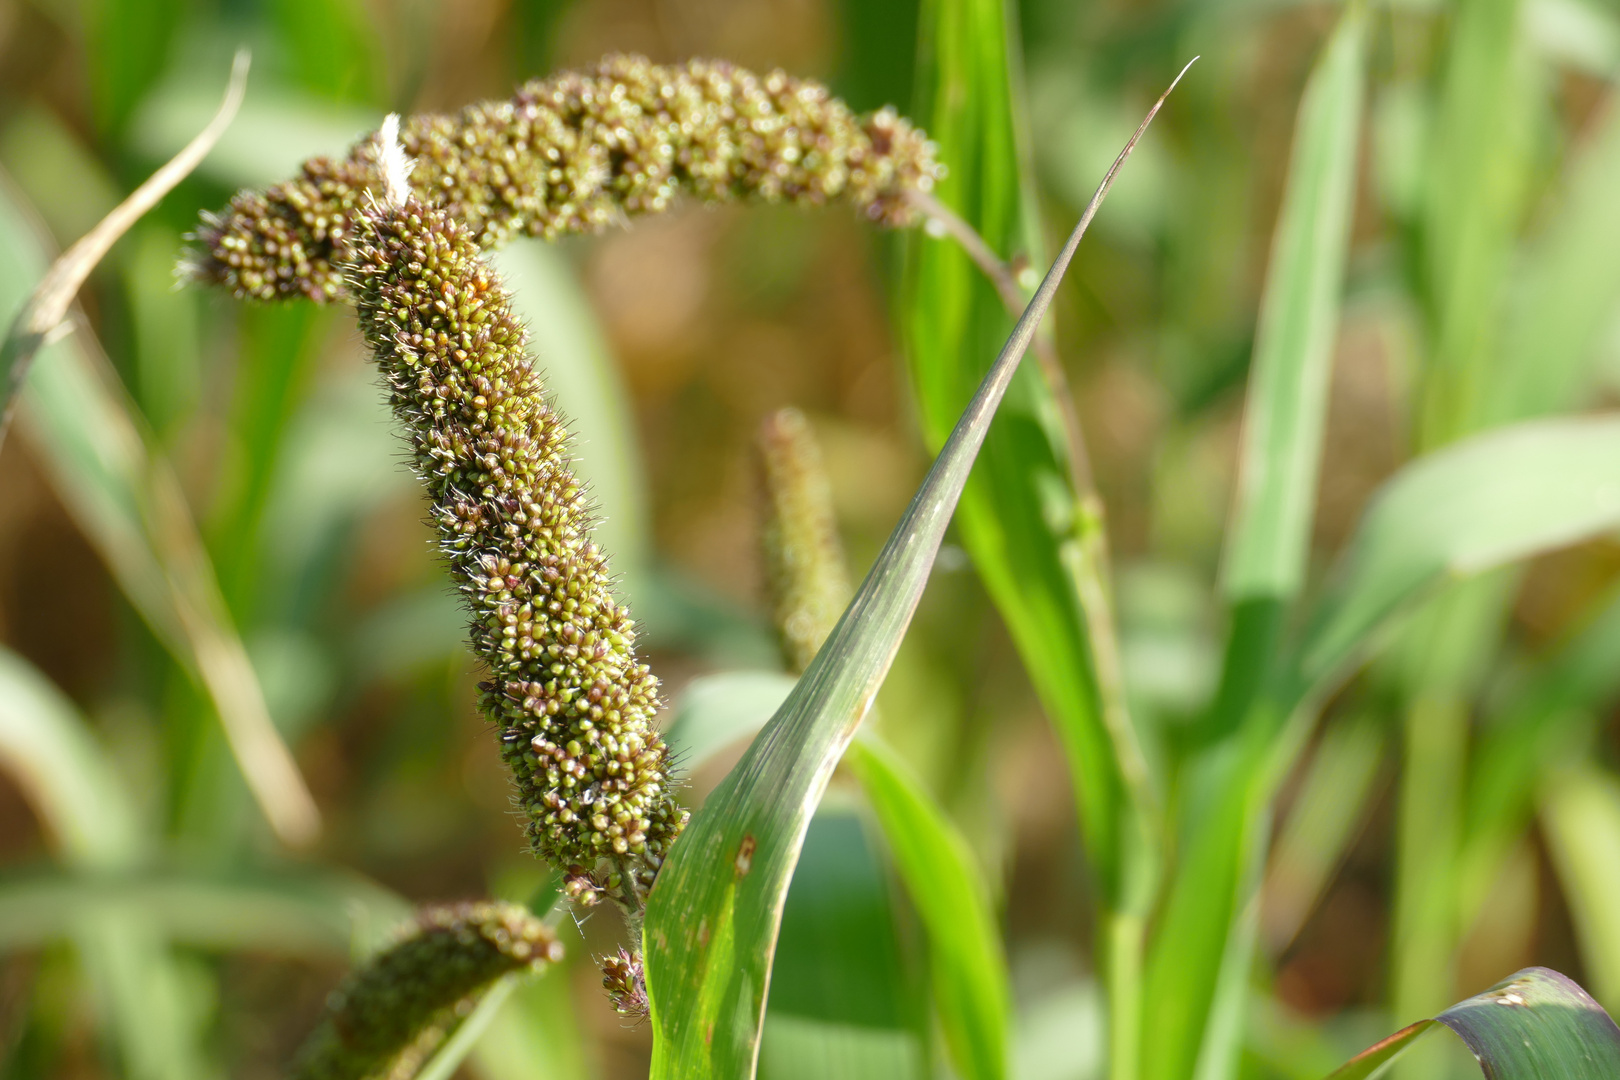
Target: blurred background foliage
(154, 926)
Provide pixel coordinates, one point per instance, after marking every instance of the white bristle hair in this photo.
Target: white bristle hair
(396, 167)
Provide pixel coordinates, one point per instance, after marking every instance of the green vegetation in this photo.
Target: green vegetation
(1240, 683)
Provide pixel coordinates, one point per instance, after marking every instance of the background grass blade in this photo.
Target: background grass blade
(1568, 288)
(129, 505)
(67, 778)
(1535, 1025)
(1326, 815)
(1285, 410)
(1547, 722)
(46, 745)
(320, 914)
(967, 966)
(1021, 518)
(48, 304)
(1580, 815)
(713, 917)
(1494, 499)
(1197, 971)
(1475, 185)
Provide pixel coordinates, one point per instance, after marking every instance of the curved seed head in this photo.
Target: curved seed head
(575, 153)
(573, 704)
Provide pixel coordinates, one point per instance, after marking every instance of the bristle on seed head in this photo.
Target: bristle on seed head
(395, 166)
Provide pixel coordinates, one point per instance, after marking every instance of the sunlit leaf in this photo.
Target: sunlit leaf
(714, 914)
(1021, 519)
(965, 955)
(1285, 411)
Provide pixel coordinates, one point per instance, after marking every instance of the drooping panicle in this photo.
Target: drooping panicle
(573, 705)
(574, 153)
(395, 1009)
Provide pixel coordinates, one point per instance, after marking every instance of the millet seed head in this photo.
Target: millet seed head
(573, 705)
(575, 153)
(392, 1011)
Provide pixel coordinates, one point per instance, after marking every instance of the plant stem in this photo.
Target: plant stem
(1014, 297)
(1124, 936)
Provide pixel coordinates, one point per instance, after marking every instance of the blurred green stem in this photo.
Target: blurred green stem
(1435, 738)
(1125, 935)
(1447, 644)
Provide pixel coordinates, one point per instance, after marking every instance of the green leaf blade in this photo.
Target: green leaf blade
(1482, 503)
(971, 987)
(1535, 1025)
(713, 917)
(1021, 519)
(1299, 314)
(1196, 982)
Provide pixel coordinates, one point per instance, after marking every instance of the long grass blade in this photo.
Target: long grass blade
(1198, 959)
(1286, 407)
(129, 504)
(967, 965)
(713, 917)
(1033, 541)
(47, 306)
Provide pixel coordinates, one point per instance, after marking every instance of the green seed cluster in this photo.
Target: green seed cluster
(573, 705)
(575, 153)
(390, 1014)
(804, 560)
